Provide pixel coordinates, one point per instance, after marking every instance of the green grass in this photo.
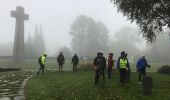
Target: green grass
(80, 86)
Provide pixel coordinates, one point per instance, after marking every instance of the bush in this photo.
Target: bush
(87, 66)
(165, 69)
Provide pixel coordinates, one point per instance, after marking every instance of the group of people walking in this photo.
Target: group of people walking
(60, 61)
(100, 65)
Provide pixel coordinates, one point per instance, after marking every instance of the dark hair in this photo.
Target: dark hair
(111, 54)
(123, 52)
(98, 53)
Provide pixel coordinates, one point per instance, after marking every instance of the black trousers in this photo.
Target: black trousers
(102, 72)
(74, 67)
(97, 76)
(42, 67)
(128, 75)
(122, 72)
(60, 66)
(142, 73)
(109, 72)
(98, 73)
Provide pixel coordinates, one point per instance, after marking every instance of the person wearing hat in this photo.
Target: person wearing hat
(75, 62)
(42, 60)
(141, 68)
(97, 64)
(122, 65)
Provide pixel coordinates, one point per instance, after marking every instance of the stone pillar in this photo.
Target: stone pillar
(147, 85)
(18, 49)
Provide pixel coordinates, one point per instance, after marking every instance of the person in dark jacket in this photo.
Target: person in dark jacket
(60, 61)
(103, 68)
(123, 66)
(75, 62)
(97, 64)
(141, 68)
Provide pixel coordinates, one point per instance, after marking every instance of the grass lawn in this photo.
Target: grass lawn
(67, 85)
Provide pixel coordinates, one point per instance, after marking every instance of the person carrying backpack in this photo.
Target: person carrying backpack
(75, 62)
(123, 66)
(41, 61)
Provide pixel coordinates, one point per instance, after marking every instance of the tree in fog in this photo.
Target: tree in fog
(35, 45)
(88, 36)
(126, 40)
(39, 43)
(30, 50)
(66, 52)
(150, 15)
(159, 51)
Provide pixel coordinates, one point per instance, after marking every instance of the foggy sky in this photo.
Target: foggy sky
(56, 16)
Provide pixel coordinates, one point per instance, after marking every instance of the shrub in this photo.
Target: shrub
(165, 69)
(85, 66)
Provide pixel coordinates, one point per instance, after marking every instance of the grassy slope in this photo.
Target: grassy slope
(80, 86)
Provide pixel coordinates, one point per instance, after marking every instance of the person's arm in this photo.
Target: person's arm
(146, 63)
(128, 65)
(112, 63)
(58, 59)
(137, 65)
(72, 60)
(77, 60)
(63, 60)
(94, 63)
(118, 66)
(104, 62)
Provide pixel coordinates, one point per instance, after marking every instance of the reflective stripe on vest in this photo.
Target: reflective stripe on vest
(123, 63)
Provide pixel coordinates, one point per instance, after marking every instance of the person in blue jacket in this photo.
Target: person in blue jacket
(141, 67)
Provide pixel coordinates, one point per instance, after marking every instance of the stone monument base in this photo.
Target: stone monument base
(9, 69)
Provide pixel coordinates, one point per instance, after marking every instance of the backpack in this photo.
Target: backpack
(39, 59)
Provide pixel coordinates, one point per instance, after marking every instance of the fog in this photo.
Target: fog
(56, 17)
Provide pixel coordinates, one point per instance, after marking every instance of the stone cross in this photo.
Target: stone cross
(18, 49)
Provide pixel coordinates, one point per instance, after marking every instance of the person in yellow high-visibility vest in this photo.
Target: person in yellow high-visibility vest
(42, 60)
(123, 66)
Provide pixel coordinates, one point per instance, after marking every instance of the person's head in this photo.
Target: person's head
(110, 54)
(61, 53)
(45, 54)
(143, 57)
(98, 54)
(75, 54)
(123, 54)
